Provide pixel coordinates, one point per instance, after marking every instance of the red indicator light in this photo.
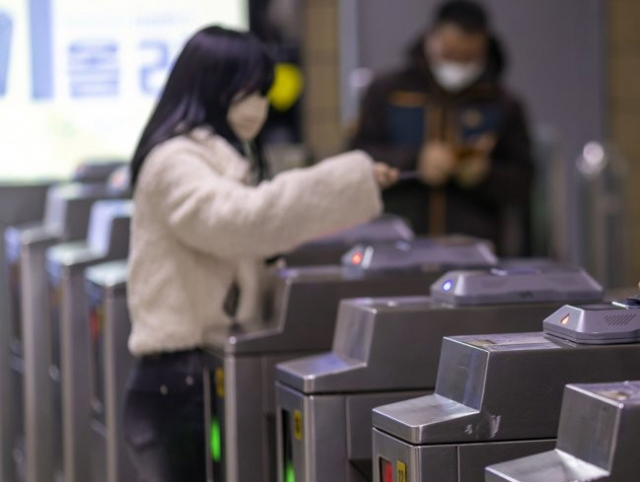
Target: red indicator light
(95, 326)
(357, 258)
(386, 470)
(96, 321)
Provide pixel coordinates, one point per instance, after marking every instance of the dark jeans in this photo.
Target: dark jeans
(164, 418)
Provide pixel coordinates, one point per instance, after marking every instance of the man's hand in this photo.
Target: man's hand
(436, 163)
(473, 170)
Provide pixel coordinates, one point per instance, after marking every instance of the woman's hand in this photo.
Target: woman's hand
(386, 176)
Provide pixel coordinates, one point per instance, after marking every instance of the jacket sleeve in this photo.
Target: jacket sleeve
(225, 218)
(372, 135)
(513, 169)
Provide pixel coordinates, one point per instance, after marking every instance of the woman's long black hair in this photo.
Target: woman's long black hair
(215, 65)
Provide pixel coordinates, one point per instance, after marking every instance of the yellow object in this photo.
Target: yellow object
(401, 471)
(287, 87)
(297, 425)
(220, 382)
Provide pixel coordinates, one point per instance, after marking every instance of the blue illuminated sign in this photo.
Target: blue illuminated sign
(82, 77)
(41, 36)
(94, 69)
(6, 30)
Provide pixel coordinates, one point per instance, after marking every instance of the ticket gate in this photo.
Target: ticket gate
(597, 439)
(110, 364)
(97, 170)
(498, 397)
(240, 379)
(20, 202)
(68, 332)
(66, 219)
(329, 250)
(386, 350)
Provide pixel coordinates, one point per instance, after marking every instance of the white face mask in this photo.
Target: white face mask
(247, 116)
(456, 76)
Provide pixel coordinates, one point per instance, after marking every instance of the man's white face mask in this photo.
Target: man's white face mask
(247, 116)
(456, 76)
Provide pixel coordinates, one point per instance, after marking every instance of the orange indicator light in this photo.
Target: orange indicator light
(357, 258)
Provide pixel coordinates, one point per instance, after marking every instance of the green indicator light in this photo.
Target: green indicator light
(289, 475)
(216, 442)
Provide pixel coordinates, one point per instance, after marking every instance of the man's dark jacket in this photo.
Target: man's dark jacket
(403, 111)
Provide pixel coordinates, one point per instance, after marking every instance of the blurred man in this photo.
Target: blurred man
(447, 117)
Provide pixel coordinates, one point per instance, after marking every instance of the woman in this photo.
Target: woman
(201, 231)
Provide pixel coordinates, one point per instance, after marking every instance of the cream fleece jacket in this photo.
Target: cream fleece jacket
(198, 227)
